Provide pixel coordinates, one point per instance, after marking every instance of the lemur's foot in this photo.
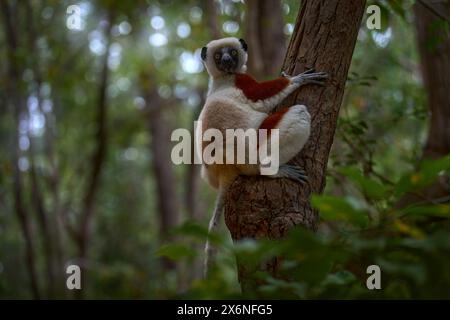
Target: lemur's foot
(309, 77)
(291, 172)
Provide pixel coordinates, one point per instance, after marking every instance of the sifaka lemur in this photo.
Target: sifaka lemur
(236, 101)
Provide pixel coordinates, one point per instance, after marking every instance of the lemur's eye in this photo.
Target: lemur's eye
(217, 56)
(233, 52)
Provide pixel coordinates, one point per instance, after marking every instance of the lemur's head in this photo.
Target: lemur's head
(225, 56)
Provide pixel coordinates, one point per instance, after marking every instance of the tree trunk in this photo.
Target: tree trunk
(166, 194)
(98, 159)
(194, 208)
(435, 67)
(162, 169)
(434, 49)
(16, 103)
(256, 207)
(47, 222)
(212, 19)
(265, 36)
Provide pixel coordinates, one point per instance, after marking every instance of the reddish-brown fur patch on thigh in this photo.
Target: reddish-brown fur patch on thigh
(271, 121)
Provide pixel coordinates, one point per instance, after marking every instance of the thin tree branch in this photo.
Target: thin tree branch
(98, 158)
(16, 102)
(42, 215)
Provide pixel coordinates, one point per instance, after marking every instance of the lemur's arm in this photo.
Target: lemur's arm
(267, 95)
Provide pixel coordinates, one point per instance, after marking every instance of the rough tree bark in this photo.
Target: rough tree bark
(265, 37)
(324, 38)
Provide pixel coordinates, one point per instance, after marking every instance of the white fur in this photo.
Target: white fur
(294, 128)
(227, 107)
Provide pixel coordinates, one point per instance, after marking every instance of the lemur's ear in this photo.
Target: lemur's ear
(203, 54)
(243, 44)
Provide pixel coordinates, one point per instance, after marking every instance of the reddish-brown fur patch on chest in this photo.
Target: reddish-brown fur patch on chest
(255, 91)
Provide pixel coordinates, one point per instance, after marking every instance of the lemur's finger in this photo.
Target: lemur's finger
(299, 178)
(293, 173)
(319, 75)
(295, 169)
(300, 175)
(299, 171)
(309, 71)
(284, 74)
(305, 78)
(322, 74)
(300, 78)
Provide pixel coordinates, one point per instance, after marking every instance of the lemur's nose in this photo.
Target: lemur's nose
(226, 58)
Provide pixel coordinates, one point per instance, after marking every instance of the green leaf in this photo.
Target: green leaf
(175, 251)
(339, 209)
(431, 168)
(371, 188)
(253, 251)
(427, 174)
(191, 228)
(438, 210)
(340, 278)
(396, 6)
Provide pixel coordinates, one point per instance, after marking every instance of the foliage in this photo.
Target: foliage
(411, 246)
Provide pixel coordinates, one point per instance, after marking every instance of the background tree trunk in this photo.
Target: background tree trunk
(434, 48)
(435, 67)
(166, 194)
(97, 161)
(16, 104)
(324, 38)
(212, 18)
(47, 222)
(265, 37)
(194, 208)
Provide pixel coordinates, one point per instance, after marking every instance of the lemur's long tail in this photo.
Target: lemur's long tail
(210, 250)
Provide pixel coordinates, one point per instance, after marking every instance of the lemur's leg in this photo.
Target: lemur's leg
(294, 128)
(210, 249)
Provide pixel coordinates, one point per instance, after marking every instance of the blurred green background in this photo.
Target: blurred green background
(87, 108)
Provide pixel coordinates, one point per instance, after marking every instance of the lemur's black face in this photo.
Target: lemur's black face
(227, 55)
(226, 59)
